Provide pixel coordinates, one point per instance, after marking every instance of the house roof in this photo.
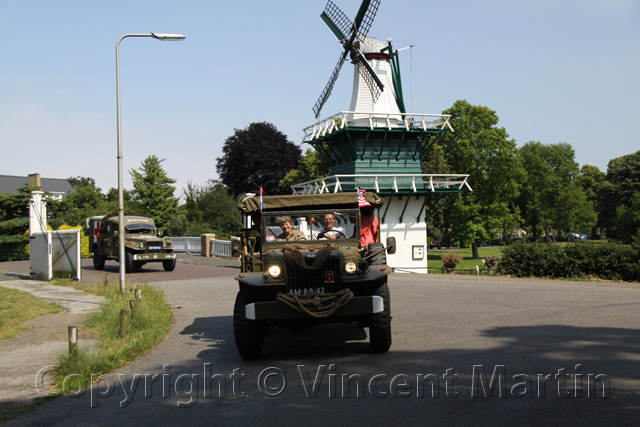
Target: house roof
(8, 184)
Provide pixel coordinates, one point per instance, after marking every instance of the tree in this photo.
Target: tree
(211, 209)
(87, 200)
(551, 194)
(81, 181)
(482, 149)
(153, 191)
(619, 193)
(312, 166)
(591, 180)
(14, 224)
(257, 156)
(433, 163)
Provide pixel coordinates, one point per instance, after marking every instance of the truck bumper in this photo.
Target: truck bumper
(273, 310)
(153, 257)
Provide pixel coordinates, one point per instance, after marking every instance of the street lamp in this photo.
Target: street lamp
(121, 251)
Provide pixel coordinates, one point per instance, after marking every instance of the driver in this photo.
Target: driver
(329, 231)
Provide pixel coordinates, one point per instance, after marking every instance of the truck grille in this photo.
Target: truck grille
(327, 279)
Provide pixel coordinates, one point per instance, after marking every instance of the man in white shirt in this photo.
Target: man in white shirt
(329, 231)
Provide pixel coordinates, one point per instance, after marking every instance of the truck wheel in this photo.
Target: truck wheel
(380, 328)
(248, 333)
(380, 257)
(128, 262)
(98, 260)
(169, 264)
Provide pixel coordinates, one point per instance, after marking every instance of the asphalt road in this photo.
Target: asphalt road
(542, 342)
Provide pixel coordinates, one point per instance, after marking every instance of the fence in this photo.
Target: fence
(187, 244)
(221, 248)
(194, 245)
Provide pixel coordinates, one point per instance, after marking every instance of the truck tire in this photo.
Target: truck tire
(380, 254)
(98, 259)
(169, 264)
(380, 327)
(128, 262)
(249, 335)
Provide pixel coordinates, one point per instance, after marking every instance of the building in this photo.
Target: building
(56, 187)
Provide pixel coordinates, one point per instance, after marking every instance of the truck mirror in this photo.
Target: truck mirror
(391, 245)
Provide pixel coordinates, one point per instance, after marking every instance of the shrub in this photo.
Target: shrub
(611, 262)
(451, 259)
(491, 261)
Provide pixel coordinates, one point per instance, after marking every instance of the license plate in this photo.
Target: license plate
(318, 290)
(155, 248)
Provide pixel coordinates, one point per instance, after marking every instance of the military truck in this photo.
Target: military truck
(314, 279)
(143, 243)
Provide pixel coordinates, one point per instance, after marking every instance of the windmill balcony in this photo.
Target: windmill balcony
(376, 120)
(397, 183)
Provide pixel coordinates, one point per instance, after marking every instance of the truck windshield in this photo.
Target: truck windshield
(140, 229)
(310, 226)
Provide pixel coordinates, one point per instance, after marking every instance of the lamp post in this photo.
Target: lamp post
(121, 251)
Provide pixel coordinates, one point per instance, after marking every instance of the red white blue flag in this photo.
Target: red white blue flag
(362, 201)
(261, 201)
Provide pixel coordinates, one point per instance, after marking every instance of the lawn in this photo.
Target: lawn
(16, 307)
(434, 257)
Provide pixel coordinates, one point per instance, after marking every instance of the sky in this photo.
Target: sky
(553, 70)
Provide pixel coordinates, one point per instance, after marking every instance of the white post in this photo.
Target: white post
(37, 213)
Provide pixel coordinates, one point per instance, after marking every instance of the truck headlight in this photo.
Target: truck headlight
(274, 271)
(350, 267)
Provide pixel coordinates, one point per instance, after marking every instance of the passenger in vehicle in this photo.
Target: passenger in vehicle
(288, 233)
(368, 226)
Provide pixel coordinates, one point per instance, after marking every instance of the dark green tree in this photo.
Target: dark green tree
(482, 149)
(153, 191)
(257, 156)
(14, 224)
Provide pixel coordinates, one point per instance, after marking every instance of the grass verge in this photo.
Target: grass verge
(16, 307)
(113, 351)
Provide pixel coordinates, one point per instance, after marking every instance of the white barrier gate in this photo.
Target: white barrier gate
(52, 253)
(56, 254)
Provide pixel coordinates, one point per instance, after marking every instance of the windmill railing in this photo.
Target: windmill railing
(390, 121)
(423, 183)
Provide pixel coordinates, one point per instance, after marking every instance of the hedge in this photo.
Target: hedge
(580, 260)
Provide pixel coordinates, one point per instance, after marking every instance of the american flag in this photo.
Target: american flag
(362, 201)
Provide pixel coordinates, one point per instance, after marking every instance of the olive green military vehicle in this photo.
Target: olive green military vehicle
(143, 243)
(316, 276)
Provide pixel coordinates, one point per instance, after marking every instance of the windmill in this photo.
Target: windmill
(376, 66)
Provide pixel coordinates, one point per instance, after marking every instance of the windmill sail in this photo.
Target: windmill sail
(350, 35)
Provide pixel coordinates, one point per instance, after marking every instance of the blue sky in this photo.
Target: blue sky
(553, 70)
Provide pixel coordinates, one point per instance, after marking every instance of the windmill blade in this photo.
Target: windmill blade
(365, 16)
(337, 21)
(368, 74)
(329, 87)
